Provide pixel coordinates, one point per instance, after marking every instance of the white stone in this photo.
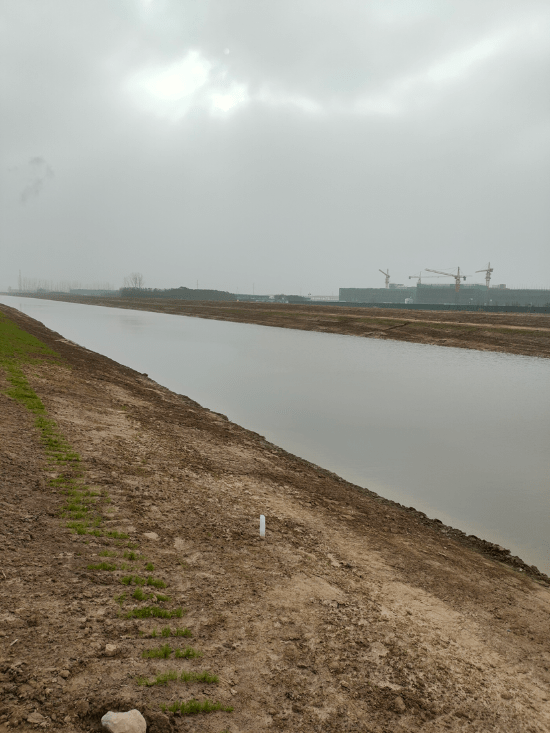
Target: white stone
(35, 718)
(110, 650)
(151, 535)
(130, 722)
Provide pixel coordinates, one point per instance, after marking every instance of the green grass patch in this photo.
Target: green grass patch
(139, 595)
(138, 580)
(116, 535)
(209, 679)
(107, 553)
(129, 555)
(167, 632)
(155, 612)
(132, 579)
(20, 345)
(155, 582)
(160, 679)
(102, 566)
(149, 566)
(162, 652)
(172, 676)
(78, 527)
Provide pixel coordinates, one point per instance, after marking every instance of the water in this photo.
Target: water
(461, 435)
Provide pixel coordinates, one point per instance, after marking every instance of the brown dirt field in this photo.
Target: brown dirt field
(354, 613)
(513, 333)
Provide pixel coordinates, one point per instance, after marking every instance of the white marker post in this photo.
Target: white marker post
(262, 525)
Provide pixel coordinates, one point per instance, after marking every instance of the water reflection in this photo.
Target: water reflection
(459, 434)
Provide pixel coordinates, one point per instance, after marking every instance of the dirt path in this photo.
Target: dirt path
(513, 333)
(354, 614)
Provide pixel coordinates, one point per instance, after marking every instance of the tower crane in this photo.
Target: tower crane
(426, 277)
(387, 276)
(488, 270)
(458, 277)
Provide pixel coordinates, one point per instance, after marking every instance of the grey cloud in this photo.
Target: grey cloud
(38, 173)
(401, 162)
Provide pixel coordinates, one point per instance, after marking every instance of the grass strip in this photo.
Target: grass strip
(206, 677)
(166, 631)
(137, 580)
(160, 679)
(162, 653)
(155, 612)
(188, 677)
(102, 566)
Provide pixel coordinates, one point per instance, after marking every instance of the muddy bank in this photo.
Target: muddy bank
(513, 333)
(353, 614)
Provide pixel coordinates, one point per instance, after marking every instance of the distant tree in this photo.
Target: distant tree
(134, 281)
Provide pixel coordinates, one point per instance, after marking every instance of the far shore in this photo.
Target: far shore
(511, 333)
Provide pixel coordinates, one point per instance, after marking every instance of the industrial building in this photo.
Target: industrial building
(466, 295)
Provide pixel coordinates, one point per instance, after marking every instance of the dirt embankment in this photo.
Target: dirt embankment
(513, 333)
(353, 614)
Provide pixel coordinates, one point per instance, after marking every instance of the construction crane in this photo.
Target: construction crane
(458, 277)
(426, 277)
(387, 276)
(488, 270)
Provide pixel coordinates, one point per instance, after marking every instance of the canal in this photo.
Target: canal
(461, 435)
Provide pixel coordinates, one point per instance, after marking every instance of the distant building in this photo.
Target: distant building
(447, 295)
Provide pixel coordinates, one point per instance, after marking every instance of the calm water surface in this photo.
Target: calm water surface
(461, 435)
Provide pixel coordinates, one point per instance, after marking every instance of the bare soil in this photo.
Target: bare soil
(513, 333)
(353, 614)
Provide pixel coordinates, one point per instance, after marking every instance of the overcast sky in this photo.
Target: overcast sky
(300, 145)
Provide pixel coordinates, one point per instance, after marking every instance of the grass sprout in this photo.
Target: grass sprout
(167, 632)
(155, 612)
(137, 580)
(120, 599)
(155, 582)
(162, 653)
(117, 535)
(160, 679)
(102, 566)
(209, 679)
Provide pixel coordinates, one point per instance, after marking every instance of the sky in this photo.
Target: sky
(290, 146)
